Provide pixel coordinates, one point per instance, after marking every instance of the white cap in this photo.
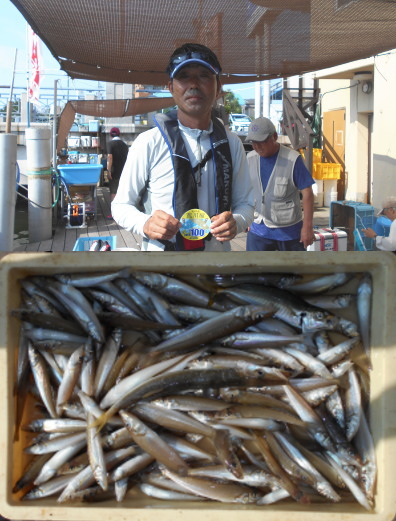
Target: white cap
(388, 202)
(260, 129)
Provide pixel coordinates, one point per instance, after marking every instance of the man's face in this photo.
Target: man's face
(268, 147)
(195, 89)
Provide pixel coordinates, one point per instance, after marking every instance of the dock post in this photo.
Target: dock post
(8, 147)
(39, 183)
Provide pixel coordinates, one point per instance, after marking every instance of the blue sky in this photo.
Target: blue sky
(13, 36)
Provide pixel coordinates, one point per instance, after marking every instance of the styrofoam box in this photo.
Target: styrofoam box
(327, 239)
(381, 266)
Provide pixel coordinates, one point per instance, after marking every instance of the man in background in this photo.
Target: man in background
(117, 152)
(283, 189)
(382, 242)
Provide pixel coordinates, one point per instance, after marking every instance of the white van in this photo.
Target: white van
(239, 123)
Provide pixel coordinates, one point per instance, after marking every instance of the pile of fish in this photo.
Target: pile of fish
(243, 388)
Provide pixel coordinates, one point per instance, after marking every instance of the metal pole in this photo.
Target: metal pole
(27, 77)
(9, 104)
(257, 104)
(266, 99)
(54, 125)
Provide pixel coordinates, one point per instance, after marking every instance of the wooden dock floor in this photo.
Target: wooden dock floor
(64, 239)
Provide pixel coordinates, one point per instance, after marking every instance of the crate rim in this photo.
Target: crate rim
(383, 264)
(112, 239)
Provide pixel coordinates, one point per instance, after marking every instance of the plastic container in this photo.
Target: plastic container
(326, 170)
(327, 239)
(317, 189)
(350, 215)
(317, 155)
(93, 125)
(84, 243)
(382, 267)
(382, 226)
(329, 197)
(79, 174)
(330, 191)
(318, 200)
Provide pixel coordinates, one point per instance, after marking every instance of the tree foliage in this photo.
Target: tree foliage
(231, 103)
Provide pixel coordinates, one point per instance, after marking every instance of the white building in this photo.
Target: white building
(358, 123)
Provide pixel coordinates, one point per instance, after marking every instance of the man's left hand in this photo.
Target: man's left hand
(224, 227)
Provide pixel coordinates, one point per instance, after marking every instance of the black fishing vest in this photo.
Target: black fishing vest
(185, 187)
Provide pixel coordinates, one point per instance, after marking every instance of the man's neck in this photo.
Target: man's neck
(200, 122)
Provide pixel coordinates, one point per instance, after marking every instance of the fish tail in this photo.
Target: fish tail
(101, 420)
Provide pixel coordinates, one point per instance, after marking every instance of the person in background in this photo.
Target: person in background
(117, 152)
(283, 189)
(385, 243)
(187, 161)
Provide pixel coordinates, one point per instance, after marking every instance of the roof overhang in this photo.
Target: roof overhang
(347, 71)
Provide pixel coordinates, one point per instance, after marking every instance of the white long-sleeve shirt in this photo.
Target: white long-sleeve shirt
(149, 172)
(387, 243)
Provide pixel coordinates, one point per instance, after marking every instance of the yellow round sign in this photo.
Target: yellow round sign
(195, 225)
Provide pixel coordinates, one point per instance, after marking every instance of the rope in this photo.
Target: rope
(55, 181)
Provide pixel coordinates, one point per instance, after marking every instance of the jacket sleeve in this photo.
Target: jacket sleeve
(253, 160)
(387, 243)
(242, 190)
(126, 207)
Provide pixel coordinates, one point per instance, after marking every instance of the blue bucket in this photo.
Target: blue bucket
(382, 226)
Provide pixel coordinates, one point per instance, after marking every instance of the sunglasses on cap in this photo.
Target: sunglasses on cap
(177, 62)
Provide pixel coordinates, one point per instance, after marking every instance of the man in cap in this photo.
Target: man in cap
(117, 153)
(188, 161)
(382, 242)
(283, 219)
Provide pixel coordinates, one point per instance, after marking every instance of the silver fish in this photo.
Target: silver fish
(96, 454)
(106, 361)
(210, 489)
(364, 295)
(217, 327)
(320, 284)
(167, 495)
(173, 288)
(41, 377)
(85, 280)
(70, 378)
(153, 444)
(79, 307)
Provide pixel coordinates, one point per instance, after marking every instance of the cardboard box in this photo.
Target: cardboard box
(327, 239)
(381, 266)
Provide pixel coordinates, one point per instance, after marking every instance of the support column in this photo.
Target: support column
(38, 151)
(8, 147)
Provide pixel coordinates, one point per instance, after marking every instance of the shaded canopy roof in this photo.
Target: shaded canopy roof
(130, 41)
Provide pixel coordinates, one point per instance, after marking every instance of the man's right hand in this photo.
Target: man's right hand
(161, 225)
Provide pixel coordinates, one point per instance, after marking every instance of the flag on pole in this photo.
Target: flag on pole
(36, 66)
